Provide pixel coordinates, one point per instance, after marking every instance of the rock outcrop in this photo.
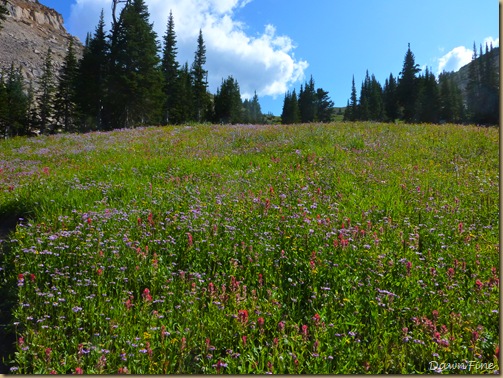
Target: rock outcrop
(28, 32)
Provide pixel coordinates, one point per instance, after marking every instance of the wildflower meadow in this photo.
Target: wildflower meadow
(315, 248)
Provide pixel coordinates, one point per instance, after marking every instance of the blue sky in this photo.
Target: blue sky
(271, 46)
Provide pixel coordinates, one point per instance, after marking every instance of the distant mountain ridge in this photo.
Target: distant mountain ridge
(461, 77)
(28, 31)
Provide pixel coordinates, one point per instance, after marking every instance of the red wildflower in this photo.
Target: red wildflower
(100, 272)
(260, 280)
(79, 370)
(260, 322)
(409, 266)
(184, 343)
(243, 338)
(475, 336)
(243, 316)
(190, 241)
(122, 370)
(32, 277)
(128, 304)
(146, 295)
(304, 329)
(479, 284)
(281, 326)
(450, 273)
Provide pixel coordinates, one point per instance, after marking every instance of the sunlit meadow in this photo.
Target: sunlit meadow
(321, 249)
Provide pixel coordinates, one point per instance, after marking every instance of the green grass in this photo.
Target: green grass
(320, 249)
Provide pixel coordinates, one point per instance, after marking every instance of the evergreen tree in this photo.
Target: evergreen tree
(473, 88)
(3, 106)
(252, 112)
(228, 105)
(307, 102)
(17, 103)
(291, 111)
(199, 79)
(135, 84)
(324, 106)
(364, 103)
(351, 112)
(183, 110)
(376, 105)
(170, 68)
(3, 11)
(390, 99)
(451, 101)
(66, 93)
(428, 104)
(45, 98)
(407, 90)
(92, 79)
(489, 89)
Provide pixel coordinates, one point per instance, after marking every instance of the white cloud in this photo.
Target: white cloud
(489, 40)
(454, 59)
(263, 62)
(461, 56)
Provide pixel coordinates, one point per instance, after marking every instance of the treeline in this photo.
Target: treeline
(122, 80)
(312, 105)
(414, 97)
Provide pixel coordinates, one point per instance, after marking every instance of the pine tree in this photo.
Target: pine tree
(199, 80)
(135, 84)
(428, 104)
(3, 11)
(376, 105)
(291, 111)
(489, 87)
(65, 100)
(307, 102)
(3, 106)
(17, 103)
(256, 115)
(351, 112)
(45, 99)
(228, 105)
(390, 99)
(364, 103)
(407, 86)
(252, 113)
(473, 88)
(451, 101)
(92, 79)
(170, 68)
(324, 106)
(183, 109)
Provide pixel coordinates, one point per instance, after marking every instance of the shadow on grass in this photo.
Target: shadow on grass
(8, 291)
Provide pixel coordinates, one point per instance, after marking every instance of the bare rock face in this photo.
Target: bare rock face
(28, 32)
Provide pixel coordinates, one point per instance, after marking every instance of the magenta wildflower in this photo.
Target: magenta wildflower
(260, 322)
(243, 316)
(146, 295)
(219, 365)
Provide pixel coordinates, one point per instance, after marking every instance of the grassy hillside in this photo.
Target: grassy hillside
(340, 248)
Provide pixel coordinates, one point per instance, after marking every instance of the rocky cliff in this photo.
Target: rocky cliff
(28, 32)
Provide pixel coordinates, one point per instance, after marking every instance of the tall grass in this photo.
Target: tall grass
(321, 249)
